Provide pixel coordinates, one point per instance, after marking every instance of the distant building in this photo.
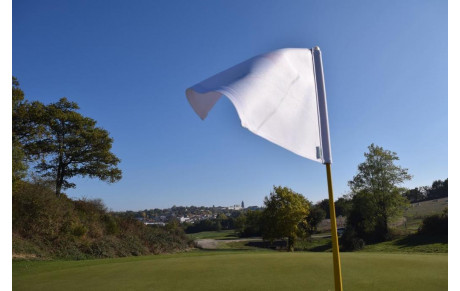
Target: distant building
(184, 219)
(235, 207)
(242, 204)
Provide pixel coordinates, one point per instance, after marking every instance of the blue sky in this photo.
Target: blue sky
(128, 63)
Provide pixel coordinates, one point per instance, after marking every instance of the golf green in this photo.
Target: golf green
(220, 270)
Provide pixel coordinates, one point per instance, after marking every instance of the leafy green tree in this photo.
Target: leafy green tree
(72, 145)
(285, 215)
(376, 194)
(316, 215)
(343, 206)
(439, 189)
(249, 224)
(416, 194)
(19, 166)
(25, 128)
(324, 205)
(221, 221)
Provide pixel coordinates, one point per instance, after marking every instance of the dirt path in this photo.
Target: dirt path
(212, 244)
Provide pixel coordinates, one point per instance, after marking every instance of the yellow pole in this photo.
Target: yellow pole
(335, 241)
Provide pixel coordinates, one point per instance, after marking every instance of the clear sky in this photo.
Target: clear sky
(128, 63)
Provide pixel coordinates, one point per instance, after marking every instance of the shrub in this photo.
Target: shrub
(79, 230)
(436, 224)
(37, 210)
(350, 241)
(46, 226)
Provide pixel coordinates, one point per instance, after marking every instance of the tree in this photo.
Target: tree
(72, 145)
(285, 211)
(316, 215)
(416, 194)
(19, 166)
(439, 189)
(249, 224)
(324, 205)
(342, 206)
(25, 129)
(376, 194)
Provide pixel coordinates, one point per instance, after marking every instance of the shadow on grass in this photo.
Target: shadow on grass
(419, 239)
(277, 245)
(230, 250)
(282, 245)
(320, 248)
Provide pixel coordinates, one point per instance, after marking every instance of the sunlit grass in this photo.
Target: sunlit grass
(230, 270)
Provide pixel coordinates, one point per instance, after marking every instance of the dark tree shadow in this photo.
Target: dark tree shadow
(276, 245)
(321, 248)
(420, 239)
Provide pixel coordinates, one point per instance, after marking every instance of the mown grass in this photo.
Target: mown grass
(230, 270)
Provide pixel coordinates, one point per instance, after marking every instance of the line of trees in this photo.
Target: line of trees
(438, 189)
(221, 222)
(342, 206)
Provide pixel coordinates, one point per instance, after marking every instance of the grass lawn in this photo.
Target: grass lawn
(233, 270)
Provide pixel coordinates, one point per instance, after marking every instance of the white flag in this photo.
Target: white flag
(276, 97)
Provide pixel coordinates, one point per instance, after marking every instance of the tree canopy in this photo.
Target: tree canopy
(377, 195)
(285, 215)
(61, 141)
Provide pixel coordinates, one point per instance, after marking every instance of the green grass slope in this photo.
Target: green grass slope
(236, 271)
(415, 213)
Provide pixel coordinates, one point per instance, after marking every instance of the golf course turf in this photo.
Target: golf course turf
(233, 270)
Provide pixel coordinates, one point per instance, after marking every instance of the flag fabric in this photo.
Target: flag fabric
(277, 97)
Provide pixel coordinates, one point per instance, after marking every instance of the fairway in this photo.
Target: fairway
(230, 270)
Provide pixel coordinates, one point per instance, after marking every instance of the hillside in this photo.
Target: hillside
(49, 227)
(419, 210)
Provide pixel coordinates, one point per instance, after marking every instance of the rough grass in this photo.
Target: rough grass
(416, 212)
(226, 270)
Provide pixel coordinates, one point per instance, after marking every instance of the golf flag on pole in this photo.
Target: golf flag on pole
(277, 96)
(280, 96)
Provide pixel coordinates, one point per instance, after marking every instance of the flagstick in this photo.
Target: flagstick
(327, 159)
(335, 241)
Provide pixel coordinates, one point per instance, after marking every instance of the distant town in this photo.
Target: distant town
(186, 214)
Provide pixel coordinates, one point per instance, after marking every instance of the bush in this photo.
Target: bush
(436, 224)
(47, 226)
(37, 210)
(350, 241)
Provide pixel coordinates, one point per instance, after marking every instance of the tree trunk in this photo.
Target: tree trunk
(59, 176)
(290, 246)
(58, 183)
